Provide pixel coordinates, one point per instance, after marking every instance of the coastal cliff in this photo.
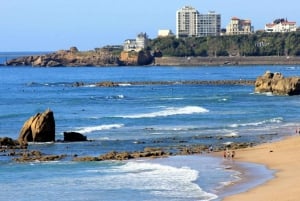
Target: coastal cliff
(74, 58)
(106, 57)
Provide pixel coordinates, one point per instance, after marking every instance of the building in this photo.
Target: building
(187, 22)
(190, 23)
(239, 27)
(209, 24)
(138, 44)
(165, 33)
(281, 25)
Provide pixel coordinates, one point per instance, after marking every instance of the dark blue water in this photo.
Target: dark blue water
(117, 118)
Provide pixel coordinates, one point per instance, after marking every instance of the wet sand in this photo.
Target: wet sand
(284, 158)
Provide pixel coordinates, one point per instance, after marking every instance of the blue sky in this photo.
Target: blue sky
(49, 25)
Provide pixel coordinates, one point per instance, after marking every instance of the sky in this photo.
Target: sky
(50, 25)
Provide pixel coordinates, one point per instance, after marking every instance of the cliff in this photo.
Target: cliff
(136, 58)
(71, 57)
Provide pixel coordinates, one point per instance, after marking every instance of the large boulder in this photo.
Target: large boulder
(277, 84)
(38, 128)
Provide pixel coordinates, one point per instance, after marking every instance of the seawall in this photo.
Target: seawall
(221, 61)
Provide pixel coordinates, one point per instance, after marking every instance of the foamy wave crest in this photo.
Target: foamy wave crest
(273, 120)
(161, 180)
(169, 112)
(98, 128)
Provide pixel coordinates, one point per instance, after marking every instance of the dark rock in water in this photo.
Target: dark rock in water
(8, 142)
(74, 137)
(276, 84)
(37, 156)
(38, 128)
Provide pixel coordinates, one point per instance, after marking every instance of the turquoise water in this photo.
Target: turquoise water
(117, 118)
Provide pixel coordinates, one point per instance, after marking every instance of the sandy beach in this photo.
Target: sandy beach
(284, 158)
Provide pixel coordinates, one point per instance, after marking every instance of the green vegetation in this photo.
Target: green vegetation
(259, 44)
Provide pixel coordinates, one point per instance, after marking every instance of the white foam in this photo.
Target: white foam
(169, 112)
(161, 180)
(273, 120)
(233, 134)
(124, 84)
(91, 129)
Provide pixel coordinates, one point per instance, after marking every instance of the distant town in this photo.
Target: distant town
(191, 23)
(198, 40)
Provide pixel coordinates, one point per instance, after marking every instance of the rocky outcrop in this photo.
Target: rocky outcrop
(70, 57)
(148, 152)
(38, 128)
(35, 156)
(74, 137)
(133, 58)
(277, 84)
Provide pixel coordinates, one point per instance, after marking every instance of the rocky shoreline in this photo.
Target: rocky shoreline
(41, 126)
(105, 57)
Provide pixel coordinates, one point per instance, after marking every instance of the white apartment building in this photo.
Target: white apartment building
(187, 22)
(239, 27)
(190, 23)
(281, 25)
(209, 24)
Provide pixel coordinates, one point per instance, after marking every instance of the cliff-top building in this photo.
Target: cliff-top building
(209, 24)
(239, 27)
(187, 22)
(190, 23)
(165, 33)
(281, 25)
(138, 44)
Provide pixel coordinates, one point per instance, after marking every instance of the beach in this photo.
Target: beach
(282, 157)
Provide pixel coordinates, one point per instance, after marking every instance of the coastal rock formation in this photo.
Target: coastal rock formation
(38, 128)
(132, 58)
(113, 155)
(74, 137)
(277, 84)
(70, 57)
(36, 155)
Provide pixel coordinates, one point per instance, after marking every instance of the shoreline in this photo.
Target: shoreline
(280, 157)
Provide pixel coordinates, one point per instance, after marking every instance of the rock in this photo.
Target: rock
(74, 137)
(35, 155)
(8, 142)
(277, 84)
(38, 128)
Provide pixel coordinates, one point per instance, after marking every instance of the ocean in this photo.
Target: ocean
(132, 117)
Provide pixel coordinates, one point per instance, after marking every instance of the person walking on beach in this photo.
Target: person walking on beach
(232, 154)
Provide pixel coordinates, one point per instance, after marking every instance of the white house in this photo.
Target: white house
(138, 44)
(281, 25)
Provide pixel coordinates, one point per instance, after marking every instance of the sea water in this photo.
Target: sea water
(130, 118)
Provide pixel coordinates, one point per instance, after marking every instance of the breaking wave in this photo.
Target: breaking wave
(91, 129)
(273, 120)
(169, 112)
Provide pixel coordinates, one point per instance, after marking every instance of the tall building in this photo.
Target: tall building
(209, 24)
(190, 23)
(239, 27)
(187, 22)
